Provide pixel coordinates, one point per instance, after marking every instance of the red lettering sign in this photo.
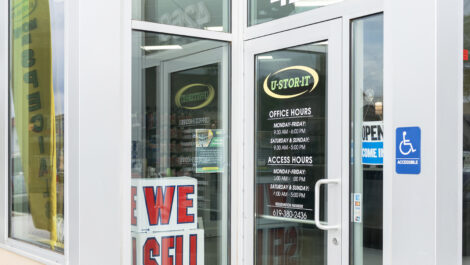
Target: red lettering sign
(167, 244)
(179, 250)
(159, 208)
(193, 250)
(171, 248)
(164, 204)
(134, 251)
(151, 249)
(184, 203)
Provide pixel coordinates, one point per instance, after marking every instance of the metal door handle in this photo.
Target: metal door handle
(317, 204)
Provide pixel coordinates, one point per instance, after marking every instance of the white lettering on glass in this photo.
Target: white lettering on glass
(284, 2)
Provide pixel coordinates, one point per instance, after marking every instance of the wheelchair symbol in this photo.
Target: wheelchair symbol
(406, 142)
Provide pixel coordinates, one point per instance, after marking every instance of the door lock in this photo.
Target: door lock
(335, 241)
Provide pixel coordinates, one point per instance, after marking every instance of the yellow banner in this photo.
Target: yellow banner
(34, 113)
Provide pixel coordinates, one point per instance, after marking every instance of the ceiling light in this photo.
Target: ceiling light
(161, 47)
(265, 57)
(218, 28)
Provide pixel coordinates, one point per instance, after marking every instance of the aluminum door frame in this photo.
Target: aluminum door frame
(338, 210)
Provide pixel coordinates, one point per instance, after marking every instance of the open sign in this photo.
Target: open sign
(372, 143)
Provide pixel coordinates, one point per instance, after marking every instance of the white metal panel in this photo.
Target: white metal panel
(104, 143)
(422, 87)
(247, 201)
(237, 141)
(449, 131)
(71, 134)
(126, 114)
(334, 143)
(410, 100)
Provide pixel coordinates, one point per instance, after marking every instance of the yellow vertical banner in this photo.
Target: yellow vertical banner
(34, 111)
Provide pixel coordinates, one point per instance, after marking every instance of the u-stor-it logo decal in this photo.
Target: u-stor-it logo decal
(291, 82)
(194, 96)
(284, 2)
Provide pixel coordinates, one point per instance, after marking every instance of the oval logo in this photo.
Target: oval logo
(291, 82)
(23, 8)
(194, 96)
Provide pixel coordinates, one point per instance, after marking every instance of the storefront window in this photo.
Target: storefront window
(202, 14)
(266, 10)
(290, 154)
(367, 140)
(180, 169)
(36, 168)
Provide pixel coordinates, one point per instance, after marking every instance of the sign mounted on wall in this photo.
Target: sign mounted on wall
(408, 150)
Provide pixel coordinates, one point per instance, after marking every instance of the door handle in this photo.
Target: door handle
(318, 223)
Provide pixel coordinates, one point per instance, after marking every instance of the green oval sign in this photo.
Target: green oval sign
(291, 82)
(194, 96)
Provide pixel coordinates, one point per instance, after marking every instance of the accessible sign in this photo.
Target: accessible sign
(408, 150)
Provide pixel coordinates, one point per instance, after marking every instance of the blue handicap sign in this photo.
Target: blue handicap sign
(408, 150)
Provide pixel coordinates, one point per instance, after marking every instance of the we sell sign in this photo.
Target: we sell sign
(164, 222)
(372, 143)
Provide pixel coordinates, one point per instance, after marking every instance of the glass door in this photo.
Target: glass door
(297, 123)
(198, 131)
(180, 144)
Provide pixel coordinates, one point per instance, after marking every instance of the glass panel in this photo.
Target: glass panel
(202, 14)
(266, 10)
(367, 140)
(290, 153)
(36, 189)
(180, 146)
(466, 137)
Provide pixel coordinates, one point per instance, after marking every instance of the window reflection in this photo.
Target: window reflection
(36, 126)
(180, 170)
(202, 14)
(466, 138)
(266, 10)
(367, 140)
